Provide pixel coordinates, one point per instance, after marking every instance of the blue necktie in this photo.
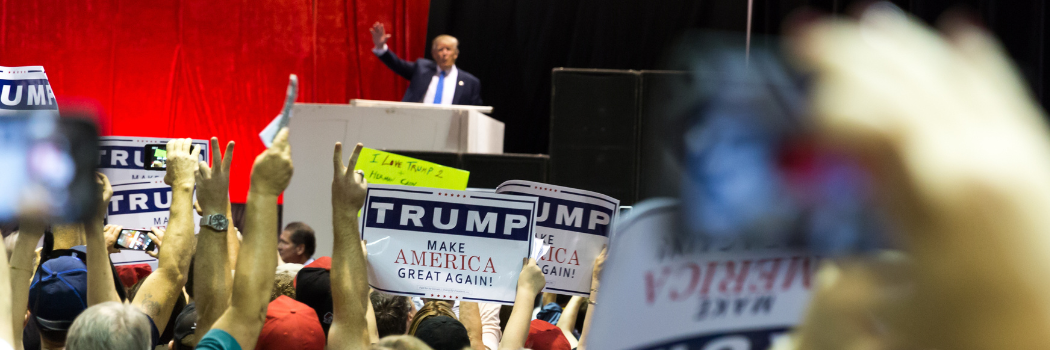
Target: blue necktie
(440, 88)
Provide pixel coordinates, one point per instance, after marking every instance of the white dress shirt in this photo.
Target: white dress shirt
(448, 89)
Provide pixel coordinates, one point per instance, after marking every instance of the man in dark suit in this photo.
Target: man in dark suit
(431, 82)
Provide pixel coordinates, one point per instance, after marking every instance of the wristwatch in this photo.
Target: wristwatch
(215, 222)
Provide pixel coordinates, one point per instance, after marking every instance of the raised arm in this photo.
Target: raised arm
(233, 246)
(593, 300)
(68, 235)
(6, 323)
(567, 321)
(373, 329)
(101, 287)
(530, 282)
(211, 273)
(470, 317)
(396, 64)
(349, 267)
(379, 36)
(256, 262)
(29, 233)
(100, 274)
(159, 291)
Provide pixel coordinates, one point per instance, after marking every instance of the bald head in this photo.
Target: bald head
(445, 50)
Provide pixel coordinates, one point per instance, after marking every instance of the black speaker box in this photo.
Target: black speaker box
(662, 106)
(595, 131)
(610, 133)
(490, 170)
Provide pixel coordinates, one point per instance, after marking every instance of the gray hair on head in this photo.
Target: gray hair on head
(110, 325)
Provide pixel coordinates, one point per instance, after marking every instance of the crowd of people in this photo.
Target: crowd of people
(960, 153)
(221, 289)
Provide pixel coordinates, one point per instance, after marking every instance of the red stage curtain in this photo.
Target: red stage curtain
(199, 68)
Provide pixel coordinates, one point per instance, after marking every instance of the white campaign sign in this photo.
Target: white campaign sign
(575, 224)
(140, 197)
(445, 244)
(24, 90)
(655, 294)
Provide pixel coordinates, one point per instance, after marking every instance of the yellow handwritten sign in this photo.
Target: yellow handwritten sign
(393, 169)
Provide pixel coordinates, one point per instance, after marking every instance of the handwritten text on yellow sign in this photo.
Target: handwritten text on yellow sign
(389, 168)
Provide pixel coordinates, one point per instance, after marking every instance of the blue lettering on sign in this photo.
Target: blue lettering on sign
(448, 218)
(140, 201)
(120, 157)
(26, 94)
(571, 215)
(130, 157)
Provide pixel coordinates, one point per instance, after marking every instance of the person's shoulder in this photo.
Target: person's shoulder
(218, 339)
(466, 76)
(425, 62)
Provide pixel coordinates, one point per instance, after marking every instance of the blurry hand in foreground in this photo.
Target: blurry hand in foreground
(961, 155)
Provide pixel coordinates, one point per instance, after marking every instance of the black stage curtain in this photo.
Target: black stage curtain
(512, 45)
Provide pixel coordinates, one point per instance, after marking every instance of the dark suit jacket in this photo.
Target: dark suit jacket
(419, 74)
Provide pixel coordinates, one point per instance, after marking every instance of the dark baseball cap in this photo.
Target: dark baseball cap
(58, 293)
(185, 324)
(313, 287)
(443, 333)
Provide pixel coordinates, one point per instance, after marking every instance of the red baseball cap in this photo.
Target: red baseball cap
(290, 325)
(545, 336)
(131, 274)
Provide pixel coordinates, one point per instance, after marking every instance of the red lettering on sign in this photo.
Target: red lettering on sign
(652, 284)
(463, 262)
(681, 281)
(489, 265)
(694, 279)
(735, 276)
(449, 262)
(769, 274)
(793, 271)
(421, 259)
(708, 278)
(574, 258)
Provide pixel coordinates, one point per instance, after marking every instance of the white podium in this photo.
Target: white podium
(315, 128)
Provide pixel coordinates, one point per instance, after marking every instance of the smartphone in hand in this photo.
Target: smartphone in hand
(156, 157)
(135, 240)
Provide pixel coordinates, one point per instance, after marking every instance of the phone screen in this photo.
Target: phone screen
(156, 157)
(49, 167)
(134, 239)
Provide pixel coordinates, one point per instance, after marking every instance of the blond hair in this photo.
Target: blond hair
(431, 308)
(446, 37)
